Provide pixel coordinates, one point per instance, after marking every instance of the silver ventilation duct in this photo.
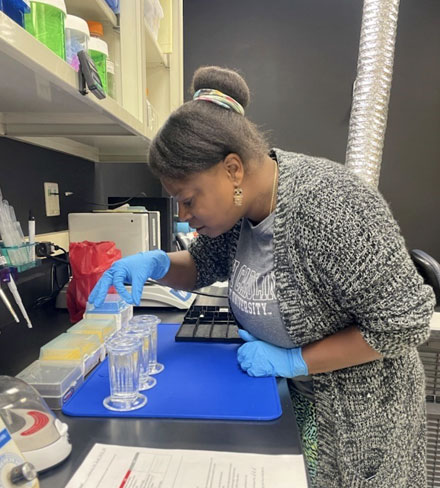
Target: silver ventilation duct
(369, 111)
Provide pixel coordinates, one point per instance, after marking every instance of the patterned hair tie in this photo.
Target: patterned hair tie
(219, 98)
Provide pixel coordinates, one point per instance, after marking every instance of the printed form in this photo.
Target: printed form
(108, 466)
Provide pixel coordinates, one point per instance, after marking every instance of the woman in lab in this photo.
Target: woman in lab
(319, 279)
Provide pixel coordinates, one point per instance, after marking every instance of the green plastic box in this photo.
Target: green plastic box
(46, 23)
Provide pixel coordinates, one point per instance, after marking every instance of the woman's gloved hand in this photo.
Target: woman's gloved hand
(134, 270)
(259, 358)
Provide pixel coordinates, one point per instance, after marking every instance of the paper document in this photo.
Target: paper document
(108, 466)
(435, 321)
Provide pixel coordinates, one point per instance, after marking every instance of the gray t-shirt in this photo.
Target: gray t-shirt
(252, 291)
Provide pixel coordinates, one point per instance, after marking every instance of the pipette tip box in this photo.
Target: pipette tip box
(86, 349)
(56, 381)
(103, 328)
(113, 306)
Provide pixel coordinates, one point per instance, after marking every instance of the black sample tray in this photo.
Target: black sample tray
(208, 323)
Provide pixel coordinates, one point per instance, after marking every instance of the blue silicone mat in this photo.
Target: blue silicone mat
(200, 381)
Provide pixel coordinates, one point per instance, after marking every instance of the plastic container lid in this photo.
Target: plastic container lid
(99, 45)
(144, 320)
(70, 347)
(77, 23)
(136, 328)
(59, 4)
(102, 328)
(95, 28)
(113, 303)
(51, 378)
(122, 344)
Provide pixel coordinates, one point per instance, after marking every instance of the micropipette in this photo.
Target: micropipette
(14, 290)
(31, 229)
(8, 305)
(4, 276)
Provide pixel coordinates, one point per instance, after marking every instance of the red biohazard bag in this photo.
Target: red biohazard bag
(88, 261)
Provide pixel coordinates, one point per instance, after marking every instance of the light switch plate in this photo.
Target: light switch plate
(52, 199)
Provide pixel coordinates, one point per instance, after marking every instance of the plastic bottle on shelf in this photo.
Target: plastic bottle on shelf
(111, 79)
(98, 50)
(46, 23)
(15, 9)
(77, 39)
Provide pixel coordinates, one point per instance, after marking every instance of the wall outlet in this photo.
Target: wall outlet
(52, 199)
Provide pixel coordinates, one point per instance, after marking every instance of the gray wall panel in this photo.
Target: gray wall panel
(299, 58)
(24, 168)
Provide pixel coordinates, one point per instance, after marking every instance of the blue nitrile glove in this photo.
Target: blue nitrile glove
(135, 270)
(259, 358)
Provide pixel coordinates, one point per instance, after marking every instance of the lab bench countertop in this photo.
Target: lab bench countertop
(278, 436)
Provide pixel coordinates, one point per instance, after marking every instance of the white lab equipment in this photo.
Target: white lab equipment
(40, 436)
(14, 469)
(129, 231)
(155, 295)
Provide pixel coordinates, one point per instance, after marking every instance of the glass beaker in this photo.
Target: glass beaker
(124, 353)
(143, 332)
(151, 321)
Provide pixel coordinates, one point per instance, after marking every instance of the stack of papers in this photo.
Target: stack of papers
(108, 466)
(435, 321)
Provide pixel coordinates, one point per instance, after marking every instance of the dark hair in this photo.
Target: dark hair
(199, 134)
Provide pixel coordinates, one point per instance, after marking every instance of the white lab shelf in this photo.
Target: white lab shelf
(39, 94)
(40, 102)
(153, 52)
(97, 10)
(164, 79)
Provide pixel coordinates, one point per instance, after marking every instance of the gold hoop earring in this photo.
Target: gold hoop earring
(238, 197)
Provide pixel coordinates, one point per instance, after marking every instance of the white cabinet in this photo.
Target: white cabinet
(40, 100)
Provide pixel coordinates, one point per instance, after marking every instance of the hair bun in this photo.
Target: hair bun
(225, 80)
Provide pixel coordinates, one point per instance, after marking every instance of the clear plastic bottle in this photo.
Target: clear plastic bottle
(98, 50)
(111, 79)
(77, 39)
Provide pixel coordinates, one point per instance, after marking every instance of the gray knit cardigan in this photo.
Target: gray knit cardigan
(339, 260)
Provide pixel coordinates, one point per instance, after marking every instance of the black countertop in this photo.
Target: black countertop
(278, 436)
(274, 437)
